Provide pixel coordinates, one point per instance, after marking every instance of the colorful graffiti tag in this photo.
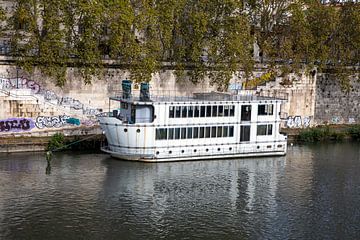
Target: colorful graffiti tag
(55, 121)
(16, 125)
(72, 103)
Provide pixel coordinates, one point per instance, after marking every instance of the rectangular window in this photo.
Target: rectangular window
(184, 111)
(208, 111)
(183, 133)
(189, 133)
(177, 133)
(244, 133)
(231, 131)
(171, 112)
(246, 113)
(265, 109)
(221, 111)
(171, 133)
(190, 111)
(263, 130)
(214, 111)
(124, 105)
(202, 132)
(202, 111)
(177, 111)
(213, 132)
(219, 132)
(232, 111)
(225, 131)
(207, 132)
(196, 111)
(196, 132)
(226, 111)
(161, 134)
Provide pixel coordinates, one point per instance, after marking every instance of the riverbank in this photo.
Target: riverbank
(88, 137)
(92, 137)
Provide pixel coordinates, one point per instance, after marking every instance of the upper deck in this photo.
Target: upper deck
(174, 97)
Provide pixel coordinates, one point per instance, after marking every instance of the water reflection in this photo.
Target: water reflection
(312, 193)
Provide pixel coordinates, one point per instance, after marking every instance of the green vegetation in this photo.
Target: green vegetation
(197, 38)
(325, 133)
(57, 141)
(354, 132)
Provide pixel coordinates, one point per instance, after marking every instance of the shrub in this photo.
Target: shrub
(354, 132)
(57, 141)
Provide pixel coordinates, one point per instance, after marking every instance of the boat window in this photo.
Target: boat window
(244, 133)
(171, 134)
(226, 111)
(245, 113)
(189, 132)
(177, 133)
(213, 131)
(190, 111)
(177, 111)
(142, 113)
(219, 131)
(183, 133)
(225, 131)
(265, 109)
(208, 111)
(202, 132)
(196, 132)
(232, 111)
(202, 111)
(263, 130)
(161, 134)
(207, 132)
(231, 131)
(184, 111)
(197, 111)
(171, 112)
(221, 111)
(214, 111)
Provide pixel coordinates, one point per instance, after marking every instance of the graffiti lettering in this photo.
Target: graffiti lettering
(335, 120)
(352, 120)
(51, 122)
(298, 122)
(16, 125)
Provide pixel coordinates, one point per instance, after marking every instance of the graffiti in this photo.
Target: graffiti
(89, 123)
(19, 83)
(16, 125)
(335, 120)
(307, 121)
(298, 122)
(23, 83)
(73, 121)
(51, 122)
(352, 120)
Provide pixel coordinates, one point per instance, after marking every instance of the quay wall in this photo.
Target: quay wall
(32, 105)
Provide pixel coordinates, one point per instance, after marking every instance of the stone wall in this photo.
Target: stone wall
(335, 106)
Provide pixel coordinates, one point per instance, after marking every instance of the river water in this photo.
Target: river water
(312, 193)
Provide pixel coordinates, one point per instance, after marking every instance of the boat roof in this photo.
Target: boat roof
(199, 97)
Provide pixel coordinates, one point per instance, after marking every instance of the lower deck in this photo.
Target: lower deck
(190, 152)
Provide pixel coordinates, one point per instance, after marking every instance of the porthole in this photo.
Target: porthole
(182, 151)
(230, 149)
(219, 149)
(258, 147)
(170, 152)
(138, 130)
(157, 153)
(207, 150)
(268, 146)
(279, 146)
(125, 129)
(195, 150)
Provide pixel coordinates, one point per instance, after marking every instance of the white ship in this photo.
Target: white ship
(202, 126)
